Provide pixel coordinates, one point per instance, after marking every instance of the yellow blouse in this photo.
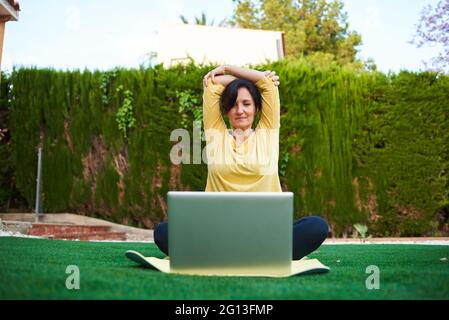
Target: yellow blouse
(253, 164)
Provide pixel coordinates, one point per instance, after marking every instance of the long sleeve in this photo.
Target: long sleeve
(251, 166)
(211, 106)
(271, 106)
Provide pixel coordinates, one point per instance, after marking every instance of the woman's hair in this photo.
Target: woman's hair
(230, 94)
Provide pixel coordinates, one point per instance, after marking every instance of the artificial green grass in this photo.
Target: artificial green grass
(35, 269)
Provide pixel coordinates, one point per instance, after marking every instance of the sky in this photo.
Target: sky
(102, 34)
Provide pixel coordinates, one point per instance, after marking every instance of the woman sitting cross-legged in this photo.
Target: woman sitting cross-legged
(246, 160)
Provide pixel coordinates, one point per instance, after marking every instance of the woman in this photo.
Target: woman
(243, 159)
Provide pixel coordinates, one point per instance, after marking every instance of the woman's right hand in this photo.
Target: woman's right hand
(215, 72)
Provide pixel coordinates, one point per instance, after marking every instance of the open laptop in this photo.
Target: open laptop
(230, 233)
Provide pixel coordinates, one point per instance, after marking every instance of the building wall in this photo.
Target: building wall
(208, 44)
(9, 10)
(2, 34)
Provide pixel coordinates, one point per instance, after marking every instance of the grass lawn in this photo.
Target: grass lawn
(35, 269)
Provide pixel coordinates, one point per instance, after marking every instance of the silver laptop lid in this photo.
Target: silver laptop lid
(230, 232)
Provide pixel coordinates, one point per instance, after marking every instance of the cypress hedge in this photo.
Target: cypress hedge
(356, 147)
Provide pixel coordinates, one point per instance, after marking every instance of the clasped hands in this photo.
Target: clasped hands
(220, 70)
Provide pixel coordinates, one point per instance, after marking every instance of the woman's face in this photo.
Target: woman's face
(241, 115)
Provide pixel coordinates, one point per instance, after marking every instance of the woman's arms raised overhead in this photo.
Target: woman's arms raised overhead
(226, 74)
(217, 79)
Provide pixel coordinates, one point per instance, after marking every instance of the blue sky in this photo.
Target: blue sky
(101, 34)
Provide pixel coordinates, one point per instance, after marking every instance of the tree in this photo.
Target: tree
(200, 21)
(433, 29)
(311, 27)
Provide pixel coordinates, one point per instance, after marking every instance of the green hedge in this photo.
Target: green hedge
(356, 147)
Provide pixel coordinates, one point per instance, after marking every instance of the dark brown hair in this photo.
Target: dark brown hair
(230, 94)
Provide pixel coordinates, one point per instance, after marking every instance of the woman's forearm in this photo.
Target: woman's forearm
(242, 73)
(224, 80)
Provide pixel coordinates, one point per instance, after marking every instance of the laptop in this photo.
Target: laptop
(230, 233)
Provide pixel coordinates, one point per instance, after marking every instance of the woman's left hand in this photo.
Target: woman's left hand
(272, 75)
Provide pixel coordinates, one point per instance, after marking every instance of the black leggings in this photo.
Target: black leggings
(308, 234)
